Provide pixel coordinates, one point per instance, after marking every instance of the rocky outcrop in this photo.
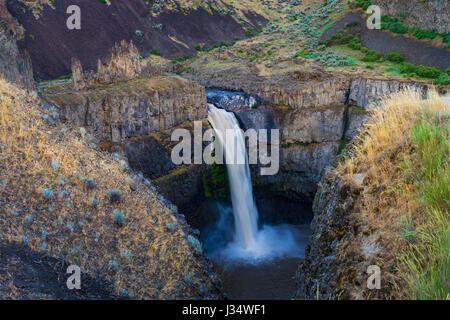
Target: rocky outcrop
(122, 64)
(312, 125)
(301, 168)
(227, 100)
(368, 93)
(136, 118)
(14, 67)
(132, 108)
(316, 118)
(310, 140)
(356, 118)
(430, 15)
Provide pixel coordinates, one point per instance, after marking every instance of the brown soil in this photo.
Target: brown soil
(54, 45)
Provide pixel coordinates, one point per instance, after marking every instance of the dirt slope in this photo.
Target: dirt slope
(51, 44)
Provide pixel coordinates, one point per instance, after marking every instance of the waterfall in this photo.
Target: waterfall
(231, 139)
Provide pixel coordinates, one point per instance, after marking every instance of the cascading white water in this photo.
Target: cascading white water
(231, 140)
(250, 243)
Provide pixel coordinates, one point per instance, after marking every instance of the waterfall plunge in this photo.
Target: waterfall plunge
(250, 243)
(231, 139)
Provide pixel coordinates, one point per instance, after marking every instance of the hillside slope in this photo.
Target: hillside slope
(385, 203)
(172, 30)
(62, 197)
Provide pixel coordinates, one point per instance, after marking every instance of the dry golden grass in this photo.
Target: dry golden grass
(390, 197)
(151, 261)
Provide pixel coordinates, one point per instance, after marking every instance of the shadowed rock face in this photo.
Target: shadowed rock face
(14, 66)
(36, 276)
(133, 108)
(316, 116)
(102, 26)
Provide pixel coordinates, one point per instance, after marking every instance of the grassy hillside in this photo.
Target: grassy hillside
(61, 196)
(404, 156)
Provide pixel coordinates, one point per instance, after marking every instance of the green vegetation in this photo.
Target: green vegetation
(425, 34)
(155, 52)
(65, 77)
(427, 258)
(327, 58)
(421, 71)
(215, 182)
(364, 4)
(395, 57)
(442, 80)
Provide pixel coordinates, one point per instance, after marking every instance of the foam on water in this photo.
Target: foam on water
(249, 243)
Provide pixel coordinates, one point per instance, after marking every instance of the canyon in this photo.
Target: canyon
(161, 222)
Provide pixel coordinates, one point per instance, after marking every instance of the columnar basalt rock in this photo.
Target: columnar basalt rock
(14, 66)
(317, 114)
(123, 63)
(133, 108)
(368, 93)
(78, 82)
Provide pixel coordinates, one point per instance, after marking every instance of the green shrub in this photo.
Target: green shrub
(249, 33)
(386, 19)
(425, 34)
(355, 44)
(364, 4)
(395, 57)
(397, 27)
(421, 71)
(428, 72)
(346, 39)
(155, 52)
(443, 79)
(371, 56)
(407, 68)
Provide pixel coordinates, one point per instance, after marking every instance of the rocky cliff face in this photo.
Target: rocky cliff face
(431, 15)
(122, 63)
(330, 257)
(316, 113)
(136, 118)
(131, 109)
(14, 67)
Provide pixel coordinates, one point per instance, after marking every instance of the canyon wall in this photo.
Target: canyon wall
(132, 108)
(14, 67)
(136, 118)
(317, 114)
